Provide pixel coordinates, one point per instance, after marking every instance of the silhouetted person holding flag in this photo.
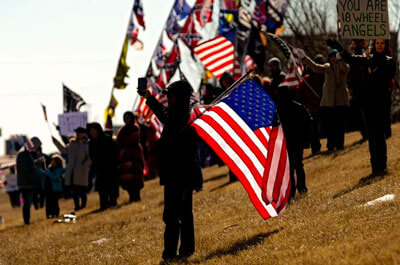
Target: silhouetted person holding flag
(178, 167)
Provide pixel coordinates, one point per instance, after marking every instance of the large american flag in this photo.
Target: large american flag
(243, 131)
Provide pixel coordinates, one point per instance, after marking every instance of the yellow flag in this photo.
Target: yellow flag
(122, 70)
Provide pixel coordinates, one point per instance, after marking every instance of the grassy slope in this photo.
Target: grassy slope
(328, 226)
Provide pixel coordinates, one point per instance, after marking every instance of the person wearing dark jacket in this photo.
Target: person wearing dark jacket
(178, 167)
(131, 161)
(103, 152)
(29, 177)
(311, 100)
(277, 76)
(355, 83)
(295, 120)
(378, 72)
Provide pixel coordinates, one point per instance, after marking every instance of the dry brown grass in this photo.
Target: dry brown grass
(328, 226)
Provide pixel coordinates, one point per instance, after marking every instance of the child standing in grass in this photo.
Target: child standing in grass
(53, 186)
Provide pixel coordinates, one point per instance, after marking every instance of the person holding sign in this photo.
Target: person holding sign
(379, 70)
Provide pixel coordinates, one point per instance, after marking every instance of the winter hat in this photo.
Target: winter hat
(275, 61)
(333, 53)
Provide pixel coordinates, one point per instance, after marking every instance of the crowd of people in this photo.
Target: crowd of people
(91, 158)
(357, 83)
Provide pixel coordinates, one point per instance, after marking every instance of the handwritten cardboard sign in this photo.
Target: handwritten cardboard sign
(68, 122)
(363, 19)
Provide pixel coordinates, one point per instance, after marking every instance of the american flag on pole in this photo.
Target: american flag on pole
(243, 132)
(295, 70)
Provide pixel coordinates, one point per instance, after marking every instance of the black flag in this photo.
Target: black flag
(72, 101)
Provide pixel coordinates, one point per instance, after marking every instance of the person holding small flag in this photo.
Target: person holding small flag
(178, 167)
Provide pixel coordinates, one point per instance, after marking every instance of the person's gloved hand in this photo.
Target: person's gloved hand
(144, 93)
(338, 57)
(301, 53)
(334, 44)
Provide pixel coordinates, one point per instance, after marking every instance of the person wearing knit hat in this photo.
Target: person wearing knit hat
(276, 76)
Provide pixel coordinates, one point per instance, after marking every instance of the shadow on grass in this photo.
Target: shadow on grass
(215, 178)
(337, 152)
(222, 186)
(365, 181)
(238, 246)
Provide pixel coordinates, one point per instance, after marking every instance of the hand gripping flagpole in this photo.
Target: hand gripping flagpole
(287, 52)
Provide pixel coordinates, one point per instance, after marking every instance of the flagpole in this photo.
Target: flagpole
(123, 44)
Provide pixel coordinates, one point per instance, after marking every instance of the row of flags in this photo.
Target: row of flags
(242, 129)
(236, 48)
(132, 38)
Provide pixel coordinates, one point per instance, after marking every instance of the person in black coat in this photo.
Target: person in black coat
(295, 120)
(103, 152)
(378, 70)
(178, 167)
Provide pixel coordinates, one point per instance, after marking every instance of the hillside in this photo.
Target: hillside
(330, 225)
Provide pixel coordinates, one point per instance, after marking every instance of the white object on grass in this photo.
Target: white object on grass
(385, 198)
(101, 240)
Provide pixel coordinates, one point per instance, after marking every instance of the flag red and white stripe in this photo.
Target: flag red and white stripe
(257, 157)
(295, 70)
(216, 55)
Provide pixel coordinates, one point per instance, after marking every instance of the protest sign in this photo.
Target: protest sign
(363, 19)
(68, 122)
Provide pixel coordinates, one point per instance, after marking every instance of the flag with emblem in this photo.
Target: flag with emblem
(203, 11)
(72, 101)
(172, 28)
(181, 9)
(188, 34)
(243, 131)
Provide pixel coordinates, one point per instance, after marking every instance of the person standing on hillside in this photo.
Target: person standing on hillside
(29, 177)
(334, 101)
(131, 161)
(76, 175)
(178, 167)
(103, 152)
(377, 75)
(311, 101)
(12, 188)
(53, 185)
